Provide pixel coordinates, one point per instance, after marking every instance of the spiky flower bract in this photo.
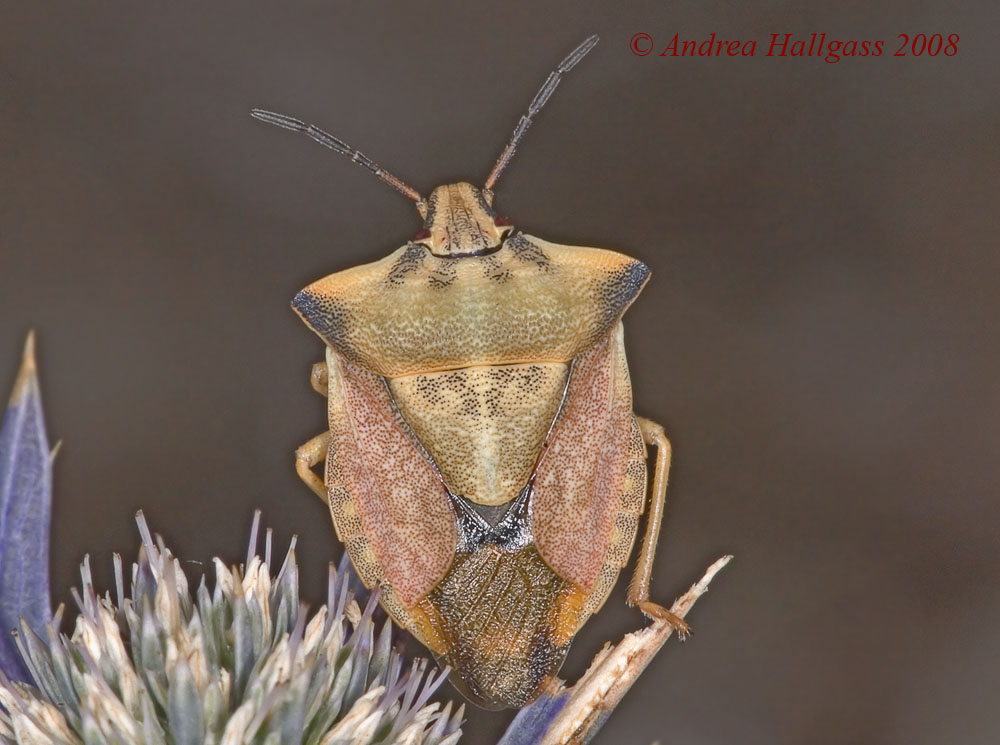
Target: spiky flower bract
(241, 663)
(25, 513)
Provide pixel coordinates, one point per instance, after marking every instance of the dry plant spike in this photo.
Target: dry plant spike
(611, 674)
(25, 512)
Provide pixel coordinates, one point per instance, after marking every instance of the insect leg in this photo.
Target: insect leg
(319, 378)
(307, 456)
(638, 591)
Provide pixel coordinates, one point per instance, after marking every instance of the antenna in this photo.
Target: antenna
(548, 87)
(339, 146)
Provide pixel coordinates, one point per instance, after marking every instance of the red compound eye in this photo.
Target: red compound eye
(421, 235)
(502, 222)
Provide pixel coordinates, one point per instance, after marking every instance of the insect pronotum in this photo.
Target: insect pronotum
(483, 465)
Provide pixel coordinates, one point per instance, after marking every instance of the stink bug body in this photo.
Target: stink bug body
(483, 465)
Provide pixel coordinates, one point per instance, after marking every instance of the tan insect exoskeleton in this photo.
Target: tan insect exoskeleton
(483, 464)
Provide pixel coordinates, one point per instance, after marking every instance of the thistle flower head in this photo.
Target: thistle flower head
(240, 663)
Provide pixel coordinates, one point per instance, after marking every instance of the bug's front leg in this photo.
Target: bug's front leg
(638, 591)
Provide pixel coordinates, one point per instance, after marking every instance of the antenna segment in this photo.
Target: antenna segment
(548, 87)
(338, 146)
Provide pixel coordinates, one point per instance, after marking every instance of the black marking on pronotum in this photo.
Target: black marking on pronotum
(442, 276)
(626, 285)
(528, 252)
(406, 264)
(493, 269)
(324, 317)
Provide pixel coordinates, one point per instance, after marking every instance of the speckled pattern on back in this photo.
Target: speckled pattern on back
(529, 301)
(591, 483)
(389, 506)
(484, 426)
(451, 373)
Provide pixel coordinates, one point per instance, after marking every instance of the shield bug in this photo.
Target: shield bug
(483, 465)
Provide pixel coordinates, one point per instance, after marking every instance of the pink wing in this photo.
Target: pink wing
(591, 481)
(389, 506)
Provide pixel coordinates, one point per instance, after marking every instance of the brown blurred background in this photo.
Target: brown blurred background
(818, 335)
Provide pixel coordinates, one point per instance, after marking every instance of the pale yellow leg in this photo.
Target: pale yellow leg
(307, 457)
(638, 591)
(319, 378)
(312, 453)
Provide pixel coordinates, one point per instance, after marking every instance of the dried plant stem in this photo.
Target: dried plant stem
(614, 670)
